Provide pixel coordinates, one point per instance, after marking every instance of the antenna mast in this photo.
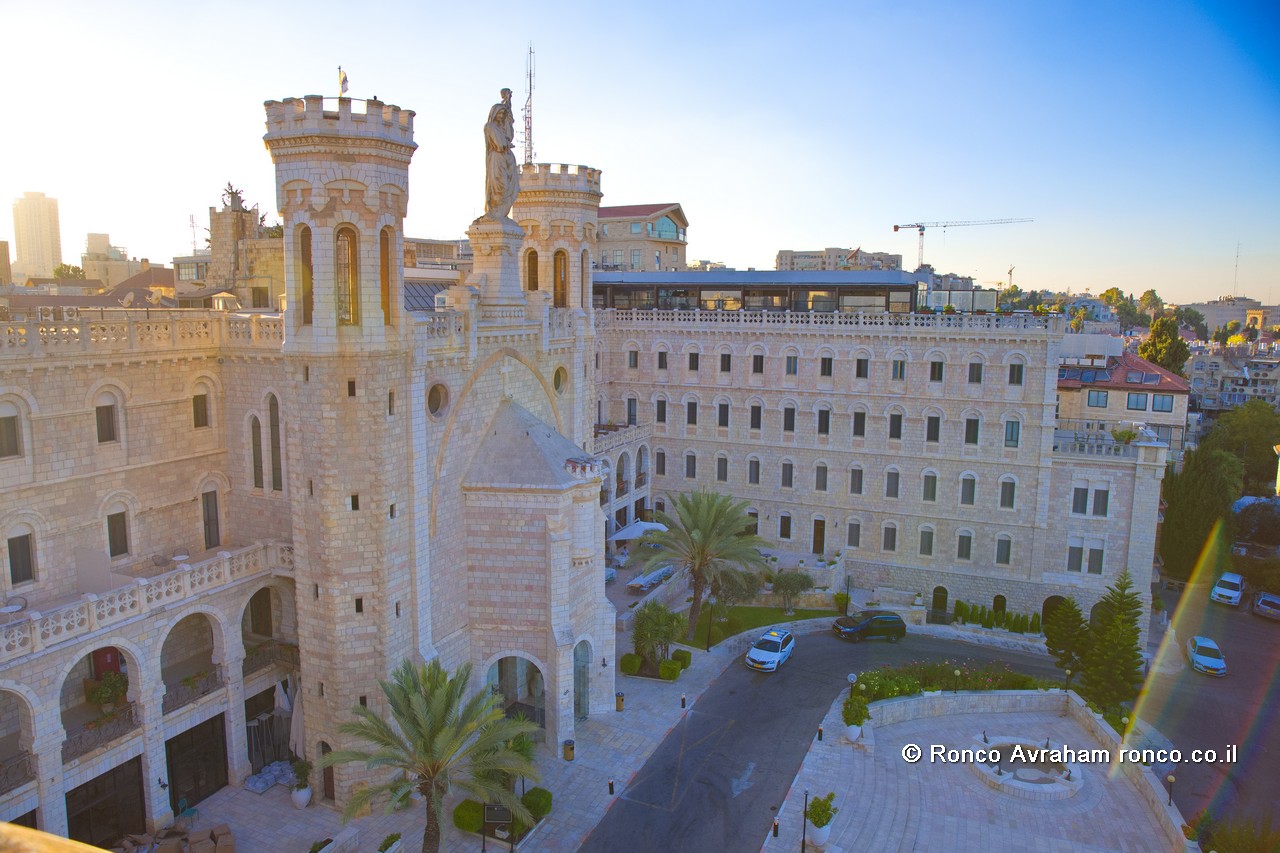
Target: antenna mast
(192, 220)
(528, 109)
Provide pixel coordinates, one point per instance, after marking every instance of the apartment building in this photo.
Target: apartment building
(639, 237)
(833, 258)
(1225, 378)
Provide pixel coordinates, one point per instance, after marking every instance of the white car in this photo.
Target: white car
(771, 651)
(1228, 590)
(1206, 657)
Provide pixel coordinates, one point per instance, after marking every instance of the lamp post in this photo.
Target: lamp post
(711, 617)
(1171, 781)
(1068, 687)
(956, 673)
(804, 822)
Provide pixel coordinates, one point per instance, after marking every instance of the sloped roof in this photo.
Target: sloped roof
(519, 450)
(421, 296)
(1126, 372)
(634, 210)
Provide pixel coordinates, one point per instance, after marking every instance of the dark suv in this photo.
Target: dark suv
(870, 623)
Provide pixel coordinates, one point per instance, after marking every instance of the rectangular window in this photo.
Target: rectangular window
(200, 411)
(930, 492)
(1015, 374)
(753, 472)
(788, 475)
(1097, 399)
(1075, 558)
(1007, 494)
(891, 482)
(935, 371)
(691, 466)
(636, 259)
(106, 423)
(862, 368)
(1095, 561)
(693, 362)
(22, 559)
(826, 366)
(899, 369)
(660, 463)
(793, 365)
(212, 528)
(722, 415)
(351, 387)
(784, 527)
(117, 534)
(662, 360)
(933, 428)
(633, 359)
(757, 415)
(855, 481)
(10, 437)
(968, 490)
(964, 546)
(1080, 500)
(853, 538)
(726, 362)
(632, 406)
(970, 430)
(824, 422)
(889, 541)
(1137, 402)
(1162, 402)
(1101, 497)
(757, 364)
(660, 412)
(859, 424)
(926, 543)
(1004, 552)
(789, 419)
(722, 469)
(975, 373)
(691, 413)
(895, 426)
(1012, 433)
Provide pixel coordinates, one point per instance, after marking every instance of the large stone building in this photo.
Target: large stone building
(642, 237)
(835, 259)
(37, 235)
(214, 504)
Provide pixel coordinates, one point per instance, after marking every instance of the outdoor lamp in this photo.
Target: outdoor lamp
(1171, 781)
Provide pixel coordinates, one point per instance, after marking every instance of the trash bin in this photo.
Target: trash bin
(618, 699)
(568, 750)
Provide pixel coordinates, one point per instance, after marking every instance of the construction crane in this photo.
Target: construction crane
(921, 226)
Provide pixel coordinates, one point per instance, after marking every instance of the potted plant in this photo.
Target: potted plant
(854, 713)
(390, 844)
(820, 814)
(319, 846)
(111, 689)
(949, 309)
(301, 794)
(919, 602)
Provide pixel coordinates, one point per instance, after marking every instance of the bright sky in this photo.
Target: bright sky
(1143, 138)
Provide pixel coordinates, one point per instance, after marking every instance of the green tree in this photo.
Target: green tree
(1151, 302)
(1224, 333)
(1190, 318)
(1113, 296)
(1259, 522)
(707, 534)
(789, 585)
(1066, 636)
(653, 629)
(1250, 432)
(734, 586)
(1130, 317)
(67, 271)
(1113, 664)
(1165, 347)
(438, 739)
(1079, 318)
(1198, 498)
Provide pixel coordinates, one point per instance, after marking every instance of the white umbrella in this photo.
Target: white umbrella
(284, 705)
(297, 740)
(636, 529)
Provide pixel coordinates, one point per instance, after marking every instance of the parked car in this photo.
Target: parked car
(1266, 604)
(1228, 590)
(1206, 657)
(870, 623)
(771, 651)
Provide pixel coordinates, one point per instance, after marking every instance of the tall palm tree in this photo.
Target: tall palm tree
(439, 739)
(708, 533)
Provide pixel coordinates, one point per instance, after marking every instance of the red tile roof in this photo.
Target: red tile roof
(629, 210)
(1117, 373)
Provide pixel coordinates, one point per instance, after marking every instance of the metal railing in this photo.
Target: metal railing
(100, 732)
(16, 771)
(191, 689)
(271, 652)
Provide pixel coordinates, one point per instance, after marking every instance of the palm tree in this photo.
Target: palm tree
(653, 629)
(439, 738)
(708, 533)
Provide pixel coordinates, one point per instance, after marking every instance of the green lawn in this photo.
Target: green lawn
(747, 618)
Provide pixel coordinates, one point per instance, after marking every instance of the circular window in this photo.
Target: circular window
(437, 399)
(560, 379)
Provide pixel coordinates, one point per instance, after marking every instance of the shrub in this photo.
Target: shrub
(962, 611)
(301, 774)
(684, 657)
(538, 802)
(388, 841)
(469, 816)
(317, 846)
(820, 811)
(854, 711)
(111, 689)
(669, 670)
(988, 620)
(1035, 623)
(842, 601)
(630, 664)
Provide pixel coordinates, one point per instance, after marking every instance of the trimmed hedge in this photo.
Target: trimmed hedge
(538, 802)
(962, 611)
(630, 664)
(684, 657)
(1035, 623)
(669, 670)
(469, 816)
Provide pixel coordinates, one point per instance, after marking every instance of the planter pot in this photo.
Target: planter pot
(301, 797)
(107, 707)
(853, 733)
(394, 848)
(819, 835)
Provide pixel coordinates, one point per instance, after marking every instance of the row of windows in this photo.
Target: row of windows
(346, 274)
(826, 366)
(1135, 402)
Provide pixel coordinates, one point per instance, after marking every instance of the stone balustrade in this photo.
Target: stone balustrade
(16, 771)
(119, 330)
(191, 689)
(826, 322)
(618, 437)
(97, 612)
(89, 736)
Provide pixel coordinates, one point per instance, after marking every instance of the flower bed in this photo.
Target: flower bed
(913, 678)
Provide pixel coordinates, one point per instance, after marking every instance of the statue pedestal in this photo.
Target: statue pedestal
(496, 266)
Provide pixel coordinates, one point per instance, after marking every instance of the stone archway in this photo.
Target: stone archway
(582, 658)
(939, 602)
(1051, 604)
(521, 687)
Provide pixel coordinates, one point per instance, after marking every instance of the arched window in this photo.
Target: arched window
(21, 543)
(277, 461)
(346, 276)
(117, 530)
(384, 273)
(560, 284)
(303, 273)
(531, 271)
(255, 441)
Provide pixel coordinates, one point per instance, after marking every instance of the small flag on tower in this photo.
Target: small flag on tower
(342, 81)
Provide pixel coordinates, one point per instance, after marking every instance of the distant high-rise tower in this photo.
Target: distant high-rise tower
(36, 232)
(6, 274)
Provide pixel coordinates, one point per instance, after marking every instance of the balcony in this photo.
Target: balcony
(86, 736)
(622, 488)
(269, 653)
(190, 688)
(641, 479)
(612, 436)
(15, 771)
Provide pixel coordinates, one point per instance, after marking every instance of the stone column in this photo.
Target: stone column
(237, 738)
(495, 270)
(51, 814)
(155, 765)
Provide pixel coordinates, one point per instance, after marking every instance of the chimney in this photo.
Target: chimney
(146, 264)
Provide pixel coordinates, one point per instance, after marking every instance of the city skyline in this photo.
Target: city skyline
(1146, 147)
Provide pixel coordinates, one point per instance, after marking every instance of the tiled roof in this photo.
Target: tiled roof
(1127, 372)
(629, 210)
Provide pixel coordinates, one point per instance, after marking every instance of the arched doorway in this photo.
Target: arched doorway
(1051, 604)
(939, 599)
(581, 680)
(998, 604)
(1097, 614)
(328, 788)
(522, 690)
